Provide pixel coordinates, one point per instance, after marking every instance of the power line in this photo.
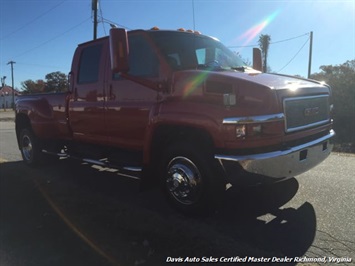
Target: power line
(293, 56)
(290, 39)
(33, 20)
(256, 45)
(112, 23)
(52, 39)
(38, 65)
(103, 24)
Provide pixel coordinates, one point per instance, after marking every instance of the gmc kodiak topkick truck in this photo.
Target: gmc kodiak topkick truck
(180, 107)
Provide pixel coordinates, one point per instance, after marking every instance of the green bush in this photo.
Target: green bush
(342, 80)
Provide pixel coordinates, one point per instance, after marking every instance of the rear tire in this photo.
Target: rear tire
(31, 148)
(190, 178)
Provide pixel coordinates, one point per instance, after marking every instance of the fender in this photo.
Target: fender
(165, 116)
(47, 114)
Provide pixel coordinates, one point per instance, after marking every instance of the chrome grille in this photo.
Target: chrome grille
(305, 112)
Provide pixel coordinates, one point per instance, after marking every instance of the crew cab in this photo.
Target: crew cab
(179, 108)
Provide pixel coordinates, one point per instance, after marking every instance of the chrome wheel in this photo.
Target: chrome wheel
(183, 180)
(27, 148)
(30, 147)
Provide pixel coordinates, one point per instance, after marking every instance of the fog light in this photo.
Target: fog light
(240, 131)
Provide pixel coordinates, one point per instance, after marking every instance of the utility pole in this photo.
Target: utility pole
(12, 81)
(94, 9)
(310, 53)
(3, 94)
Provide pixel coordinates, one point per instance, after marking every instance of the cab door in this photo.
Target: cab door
(129, 103)
(87, 101)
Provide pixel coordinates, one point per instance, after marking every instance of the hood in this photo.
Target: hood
(273, 81)
(197, 82)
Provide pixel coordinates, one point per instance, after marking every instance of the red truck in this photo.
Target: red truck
(182, 109)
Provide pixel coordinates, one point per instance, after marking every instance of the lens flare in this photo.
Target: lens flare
(192, 85)
(251, 33)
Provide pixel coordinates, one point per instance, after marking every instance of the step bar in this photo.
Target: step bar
(103, 162)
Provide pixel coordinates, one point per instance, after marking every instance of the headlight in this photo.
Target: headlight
(250, 130)
(240, 131)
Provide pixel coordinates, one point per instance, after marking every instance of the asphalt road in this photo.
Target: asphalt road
(72, 214)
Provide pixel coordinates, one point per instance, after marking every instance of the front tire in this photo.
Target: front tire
(190, 178)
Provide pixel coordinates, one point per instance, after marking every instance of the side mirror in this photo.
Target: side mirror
(119, 50)
(257, 62)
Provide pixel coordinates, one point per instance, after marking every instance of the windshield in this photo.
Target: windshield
(190, 51)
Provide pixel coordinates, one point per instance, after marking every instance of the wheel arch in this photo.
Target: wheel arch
(165, 135)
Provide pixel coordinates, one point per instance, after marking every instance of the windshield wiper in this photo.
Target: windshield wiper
(239, 68)
(213, 65)
(208, 67)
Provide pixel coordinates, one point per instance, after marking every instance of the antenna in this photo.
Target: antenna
(193, 14)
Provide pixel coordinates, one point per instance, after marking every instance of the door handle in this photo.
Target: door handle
(111, 95)
(75, 94)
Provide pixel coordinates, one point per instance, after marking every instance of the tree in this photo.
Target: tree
(29, 86)
(264, 43)
(56, 82)
(342, 80)
(245, 60)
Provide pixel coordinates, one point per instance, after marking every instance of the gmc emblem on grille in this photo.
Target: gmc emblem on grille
(311, 111)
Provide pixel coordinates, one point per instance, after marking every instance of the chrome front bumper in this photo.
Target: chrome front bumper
(285, 163)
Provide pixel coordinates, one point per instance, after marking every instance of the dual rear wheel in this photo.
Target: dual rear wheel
(31, 147)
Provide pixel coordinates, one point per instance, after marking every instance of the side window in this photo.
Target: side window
(143, 61)
(90, 64)
(205, 55)
(201, 56)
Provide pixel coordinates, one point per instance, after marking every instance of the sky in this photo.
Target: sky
(41, 35)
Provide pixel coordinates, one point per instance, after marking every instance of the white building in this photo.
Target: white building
(6, 97)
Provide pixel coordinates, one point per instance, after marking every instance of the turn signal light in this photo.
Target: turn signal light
(190, 31)
(229, 99)
(255, 130)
